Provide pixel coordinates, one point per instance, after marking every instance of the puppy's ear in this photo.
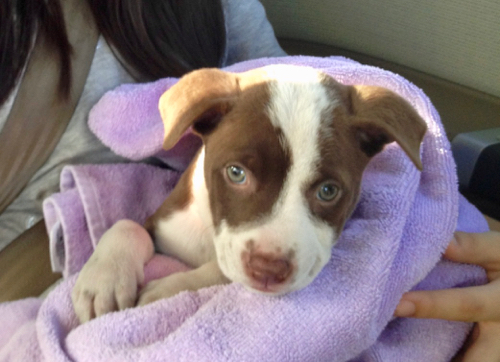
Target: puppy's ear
(381, 117)
(199, 100)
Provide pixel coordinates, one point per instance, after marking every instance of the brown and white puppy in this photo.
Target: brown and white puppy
(266, 197)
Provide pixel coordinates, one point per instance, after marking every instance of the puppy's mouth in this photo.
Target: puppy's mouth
(269, 287)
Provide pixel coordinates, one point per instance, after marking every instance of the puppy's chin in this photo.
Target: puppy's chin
(274, 290)
(297, 283)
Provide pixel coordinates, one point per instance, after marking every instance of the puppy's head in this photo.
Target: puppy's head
(285, 150)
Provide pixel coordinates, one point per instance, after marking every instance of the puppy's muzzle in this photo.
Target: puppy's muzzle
(267, 272)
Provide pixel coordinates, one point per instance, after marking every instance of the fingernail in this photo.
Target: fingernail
(405, 308)
(452, 246)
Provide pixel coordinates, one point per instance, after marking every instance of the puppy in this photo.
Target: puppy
(267, 195)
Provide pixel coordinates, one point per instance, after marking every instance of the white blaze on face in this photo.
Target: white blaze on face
(297, 102)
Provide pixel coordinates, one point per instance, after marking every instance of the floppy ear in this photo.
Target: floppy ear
(199, 99)
(382, 117)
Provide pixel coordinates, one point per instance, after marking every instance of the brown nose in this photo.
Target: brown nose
(268, 269)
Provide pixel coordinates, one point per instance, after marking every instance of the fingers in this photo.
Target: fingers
(482, 249)
(485, 347)
(461, 304)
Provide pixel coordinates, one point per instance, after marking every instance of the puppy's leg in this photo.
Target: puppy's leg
(110, 278)
(205, 276)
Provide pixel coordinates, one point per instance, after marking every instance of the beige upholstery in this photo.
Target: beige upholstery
(458, 40)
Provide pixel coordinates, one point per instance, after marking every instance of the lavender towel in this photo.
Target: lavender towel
(391, 244)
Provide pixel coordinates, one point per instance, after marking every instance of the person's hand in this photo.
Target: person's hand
(479, 304)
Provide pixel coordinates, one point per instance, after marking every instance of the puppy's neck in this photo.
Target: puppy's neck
(186, 232)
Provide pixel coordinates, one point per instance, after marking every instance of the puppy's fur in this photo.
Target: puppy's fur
(266, 197)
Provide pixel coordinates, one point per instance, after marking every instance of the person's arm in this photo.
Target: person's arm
(493, 224)
(473, 304)
(25, 265)
(249, 33)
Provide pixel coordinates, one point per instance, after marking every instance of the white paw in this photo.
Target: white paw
(163, 288)
(106, 283)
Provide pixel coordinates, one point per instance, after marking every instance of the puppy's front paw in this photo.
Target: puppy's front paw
(105, 285)
(163, 288)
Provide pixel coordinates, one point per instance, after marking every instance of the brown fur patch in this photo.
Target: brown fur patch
(377, 115)
(245, 137)
(179, 198)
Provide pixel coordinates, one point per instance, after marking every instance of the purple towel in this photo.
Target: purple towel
(391, 244)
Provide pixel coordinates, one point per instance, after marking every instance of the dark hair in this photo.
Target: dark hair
(19, 21)
(153, 38)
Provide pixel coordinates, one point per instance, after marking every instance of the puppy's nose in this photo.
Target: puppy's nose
(268, 269)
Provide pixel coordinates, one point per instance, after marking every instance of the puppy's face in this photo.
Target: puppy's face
(285, 149)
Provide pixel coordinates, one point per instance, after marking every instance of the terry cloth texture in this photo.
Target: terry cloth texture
(392, 243)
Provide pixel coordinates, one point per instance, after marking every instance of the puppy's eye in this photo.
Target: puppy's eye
(327, 191)
(236, 174)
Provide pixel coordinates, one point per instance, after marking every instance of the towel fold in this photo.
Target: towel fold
(392, 243)
(92, 199)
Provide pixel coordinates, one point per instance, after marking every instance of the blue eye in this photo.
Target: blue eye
(236, 174)
(327, 191)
